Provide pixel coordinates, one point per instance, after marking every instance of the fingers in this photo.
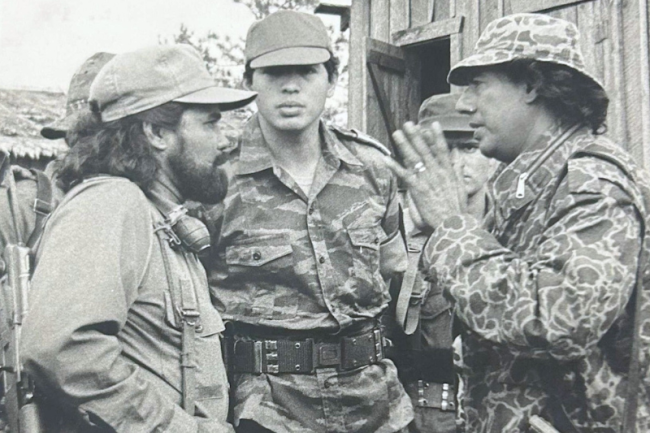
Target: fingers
(439, 144)
(418, 143)
(401, 172)
(409, 156)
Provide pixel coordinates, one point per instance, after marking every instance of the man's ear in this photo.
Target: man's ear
(157, 136)
(531, 93)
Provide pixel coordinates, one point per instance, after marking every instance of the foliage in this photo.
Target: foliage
(224, 55)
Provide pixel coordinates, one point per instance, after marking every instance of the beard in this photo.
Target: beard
(196, 181)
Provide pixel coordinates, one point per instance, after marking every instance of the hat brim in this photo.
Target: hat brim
(58, 128)
(292, 56)
(458, 74)
(227, 99)
(450, 123)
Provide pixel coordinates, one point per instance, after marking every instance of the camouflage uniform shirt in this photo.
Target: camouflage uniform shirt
(292, 262)
(543, 294)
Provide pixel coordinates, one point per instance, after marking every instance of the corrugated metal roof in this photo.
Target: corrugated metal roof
(22, 115)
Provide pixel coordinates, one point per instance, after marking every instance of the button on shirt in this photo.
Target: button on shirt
(288, 260)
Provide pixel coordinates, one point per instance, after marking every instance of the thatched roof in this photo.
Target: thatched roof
(22, 115)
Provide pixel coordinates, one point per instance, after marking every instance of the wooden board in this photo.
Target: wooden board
(517, 6)
(419, 12)
(380, 20)
(399, 15)
(357, 90)
(427, 32)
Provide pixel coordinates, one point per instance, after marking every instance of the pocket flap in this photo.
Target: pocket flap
(258, 251)
(368, 237)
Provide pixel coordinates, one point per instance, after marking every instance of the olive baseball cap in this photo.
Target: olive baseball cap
(524, 36)
(140, 80)
(442, 109)
(78, 92)
(287, 38)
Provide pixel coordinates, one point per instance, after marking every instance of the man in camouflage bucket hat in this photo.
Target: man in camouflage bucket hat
(543, 285)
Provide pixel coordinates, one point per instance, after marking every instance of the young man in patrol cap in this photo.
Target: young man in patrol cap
(121, 334)
(545, 290)
(308, 232)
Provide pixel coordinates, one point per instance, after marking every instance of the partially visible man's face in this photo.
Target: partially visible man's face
(202, 150)
(499, 113)
(471, 166)
(291, 98)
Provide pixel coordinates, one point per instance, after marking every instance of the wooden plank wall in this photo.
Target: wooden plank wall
(614, 33)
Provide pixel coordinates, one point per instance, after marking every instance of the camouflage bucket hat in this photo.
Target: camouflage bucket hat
(525, 36)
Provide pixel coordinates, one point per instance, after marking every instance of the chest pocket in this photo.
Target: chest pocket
(366, 242)
(265, 252)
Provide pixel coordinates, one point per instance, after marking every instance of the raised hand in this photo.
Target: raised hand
(431, 180)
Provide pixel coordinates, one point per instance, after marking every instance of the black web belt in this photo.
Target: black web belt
(277, 356)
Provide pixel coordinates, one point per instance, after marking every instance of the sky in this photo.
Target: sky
(43, 42)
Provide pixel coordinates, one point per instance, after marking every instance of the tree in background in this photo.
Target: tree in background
(225, 56)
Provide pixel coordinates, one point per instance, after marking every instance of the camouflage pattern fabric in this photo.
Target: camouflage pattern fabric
(532, 36)
(543, 294)
(286, 261)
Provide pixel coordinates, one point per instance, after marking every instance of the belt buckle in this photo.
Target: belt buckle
(329, 354)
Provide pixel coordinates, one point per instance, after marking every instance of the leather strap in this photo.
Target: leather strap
(42, 206)
(411, 293)
(185, 304)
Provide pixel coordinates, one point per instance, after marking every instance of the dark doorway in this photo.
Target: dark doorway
(435, 64)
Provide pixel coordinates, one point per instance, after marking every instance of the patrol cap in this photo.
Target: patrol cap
(524, 36)
(287, 38)
(442, 109)
(140, 80)
(77, 95)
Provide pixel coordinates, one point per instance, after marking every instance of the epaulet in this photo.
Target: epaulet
(360, 137)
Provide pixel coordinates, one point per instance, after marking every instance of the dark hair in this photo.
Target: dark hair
(117, 148)
(570, 95)
(331, 66)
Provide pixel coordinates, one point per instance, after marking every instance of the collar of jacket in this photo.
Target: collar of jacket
(255, 155)
(518, 183)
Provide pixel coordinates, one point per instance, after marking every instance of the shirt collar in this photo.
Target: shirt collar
(532, 169)
(255, 155)
(164, 189)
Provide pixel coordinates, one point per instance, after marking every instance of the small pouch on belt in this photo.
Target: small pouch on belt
(432, 394)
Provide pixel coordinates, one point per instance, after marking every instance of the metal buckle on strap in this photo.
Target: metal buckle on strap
(190, 316)
(271, 357)
(42, 207)
(327, 354)
(435, 395)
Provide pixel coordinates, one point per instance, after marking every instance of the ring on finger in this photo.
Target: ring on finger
(419, 167)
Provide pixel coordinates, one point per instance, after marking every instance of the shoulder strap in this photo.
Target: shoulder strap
(42, 206)
(185, 304)
(412, 293)
(360, 137)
